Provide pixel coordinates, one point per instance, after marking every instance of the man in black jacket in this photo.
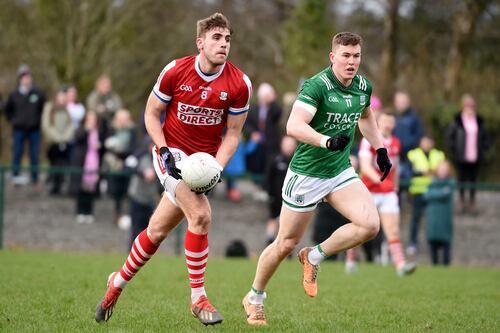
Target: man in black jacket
(262, 127)
(23, 110)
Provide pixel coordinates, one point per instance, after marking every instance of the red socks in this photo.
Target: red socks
(196, 250)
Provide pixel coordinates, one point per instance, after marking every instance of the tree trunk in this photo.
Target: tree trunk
(464, 23)
(389, 51)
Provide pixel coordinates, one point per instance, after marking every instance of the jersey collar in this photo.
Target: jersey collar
(334, 78)
(207, 78)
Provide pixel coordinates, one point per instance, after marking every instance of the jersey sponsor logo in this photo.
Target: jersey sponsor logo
(199, 115)
(342, 121)
(223, 96)
(206, 88)
(362, 99)
(185, 87)
(333, 99)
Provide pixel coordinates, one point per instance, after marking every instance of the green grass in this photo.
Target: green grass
(57, 292)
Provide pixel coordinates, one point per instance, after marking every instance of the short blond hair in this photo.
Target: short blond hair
(346, 38)
(216, 20)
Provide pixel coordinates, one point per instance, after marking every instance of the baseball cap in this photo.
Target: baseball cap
(23, 70)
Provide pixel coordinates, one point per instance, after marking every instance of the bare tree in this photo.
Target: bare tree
(389, 51)
(464, 23)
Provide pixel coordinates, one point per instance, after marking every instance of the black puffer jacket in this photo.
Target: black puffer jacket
(25, 111)
(456, 139)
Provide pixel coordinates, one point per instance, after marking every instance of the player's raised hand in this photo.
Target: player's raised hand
(384, 163)
(169, 162)
(338, 143)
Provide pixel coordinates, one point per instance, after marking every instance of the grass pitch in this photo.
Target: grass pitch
(57, 292)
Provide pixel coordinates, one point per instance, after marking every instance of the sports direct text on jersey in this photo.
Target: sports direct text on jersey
(199, 115)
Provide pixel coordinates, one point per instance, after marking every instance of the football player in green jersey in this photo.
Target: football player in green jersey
(324, 119)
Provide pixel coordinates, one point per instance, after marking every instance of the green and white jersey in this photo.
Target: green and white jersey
(336, 110)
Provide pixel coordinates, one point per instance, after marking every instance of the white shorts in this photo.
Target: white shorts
(386, 202)
(303, 193)
(161, 172)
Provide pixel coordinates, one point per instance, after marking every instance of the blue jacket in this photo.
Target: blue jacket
(408, 130)
(439, 199)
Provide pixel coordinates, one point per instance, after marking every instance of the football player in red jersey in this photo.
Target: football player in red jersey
(384, 194)
(202, 94)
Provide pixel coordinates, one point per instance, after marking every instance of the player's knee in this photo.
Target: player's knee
(371, 229)
(200, 220)
(286, 246)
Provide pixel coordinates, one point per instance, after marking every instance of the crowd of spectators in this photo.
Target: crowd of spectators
(101, 137)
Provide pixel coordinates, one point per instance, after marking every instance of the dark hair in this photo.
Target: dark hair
(216, 20)
(346, 38)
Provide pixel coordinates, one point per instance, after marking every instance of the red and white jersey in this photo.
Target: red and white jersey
(198, 104)
(393, 146)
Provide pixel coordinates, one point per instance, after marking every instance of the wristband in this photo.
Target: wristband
(323, 141)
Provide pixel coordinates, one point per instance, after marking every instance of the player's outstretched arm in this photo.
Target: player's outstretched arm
(299, 128)
(231, 139)
(154, 107)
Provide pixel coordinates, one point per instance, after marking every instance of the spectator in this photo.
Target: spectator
(119, 145)
(439, 200)
(468, 140)
(23, 109)
(424, 161)
(105, 102)
(409, 131)
(75, 108)
(276, 175)
(58, 133)
(263, 128)
(143, 188)
(86, 156)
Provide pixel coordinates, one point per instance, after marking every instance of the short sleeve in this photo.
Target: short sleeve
(242, 102)
(309, 96)
(365, 149)
(164, 87)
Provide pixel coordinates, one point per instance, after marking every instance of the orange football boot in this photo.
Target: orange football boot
(310, 273)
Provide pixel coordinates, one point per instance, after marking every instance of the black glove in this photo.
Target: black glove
(384, 163)
(338, 143)
(169, 162)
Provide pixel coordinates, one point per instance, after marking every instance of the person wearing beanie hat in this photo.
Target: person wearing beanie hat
(23, 110)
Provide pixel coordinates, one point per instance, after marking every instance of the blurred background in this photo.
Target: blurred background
(105, 55)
